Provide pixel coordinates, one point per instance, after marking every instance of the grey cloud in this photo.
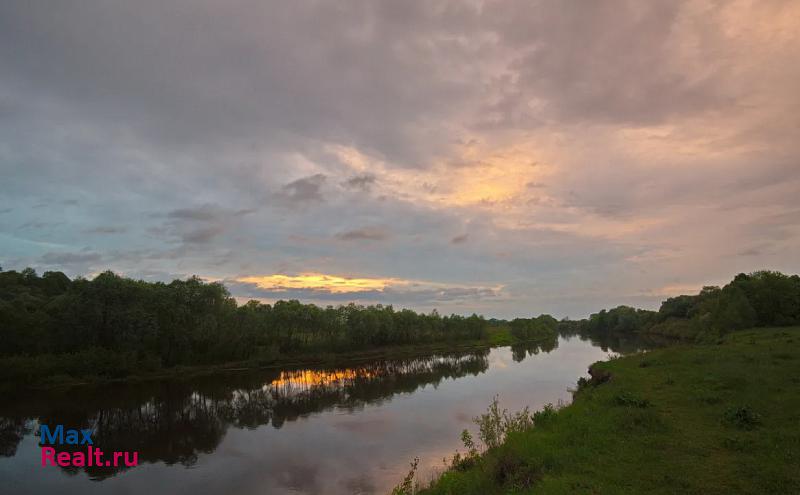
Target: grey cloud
(362, 181)
(34, 225)
(203, 213)
(131, 108)
(363, 234)
(206, 213)
(460, 294)
(70, 258)
(246, 76)
(753, 251)
(106, 230)
(202, 235)
(581, 63)
(198, 224)
(459, 239)
(304, 190)
(6, 210)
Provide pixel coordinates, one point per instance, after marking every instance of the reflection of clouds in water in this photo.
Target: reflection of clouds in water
(499, 358)
(365, 449)
(358, 485)
(369, 427)
(462, 417)
(300, 476)
(176, 422)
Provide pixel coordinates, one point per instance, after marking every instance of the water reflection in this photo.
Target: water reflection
(521, 351)
(309, 431)
(12, 430)
(620, 343)
(175, 421)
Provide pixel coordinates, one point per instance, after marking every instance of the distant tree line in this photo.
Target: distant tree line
(113, 325)
(758, 299)
(543, 327)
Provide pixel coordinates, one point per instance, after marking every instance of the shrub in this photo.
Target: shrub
(546, 415)
(742, 417)
(510, 469)
(406, 487)
(495, 424)
(628, 400)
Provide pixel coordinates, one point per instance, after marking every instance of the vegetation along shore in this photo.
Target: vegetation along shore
(58, 331)
(690, 419)
(716, 412)
(713, 411)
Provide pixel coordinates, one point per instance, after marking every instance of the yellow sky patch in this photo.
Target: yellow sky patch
(335, 284)
(319, 281)
(485, 176)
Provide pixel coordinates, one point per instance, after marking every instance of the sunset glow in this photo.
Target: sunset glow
(318, 281)
(457, 156)
(408, 247)
(302, 379)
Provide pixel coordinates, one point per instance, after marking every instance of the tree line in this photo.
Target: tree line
(543, 327)
(114, 325)
(758, 299)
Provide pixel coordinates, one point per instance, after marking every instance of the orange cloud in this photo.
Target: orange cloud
(321, 284)
(319, 281)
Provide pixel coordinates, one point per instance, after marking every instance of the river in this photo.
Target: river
(307, 431)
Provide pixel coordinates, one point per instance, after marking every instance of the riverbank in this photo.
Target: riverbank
(16, 379)
(719, 418)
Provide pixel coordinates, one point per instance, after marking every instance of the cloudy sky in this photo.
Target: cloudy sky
(509, 158)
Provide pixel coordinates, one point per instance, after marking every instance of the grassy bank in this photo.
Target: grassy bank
(59, 371)
(705, 419)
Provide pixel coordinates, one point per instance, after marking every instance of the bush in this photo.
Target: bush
(495, 424)
(742, 417)
(509, 468)
(628, 400)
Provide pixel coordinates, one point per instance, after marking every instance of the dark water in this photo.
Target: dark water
(345, 430)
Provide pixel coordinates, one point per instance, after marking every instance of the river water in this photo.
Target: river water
(307, 431)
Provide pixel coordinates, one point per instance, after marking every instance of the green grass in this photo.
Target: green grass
(704, 419)
(500, 336)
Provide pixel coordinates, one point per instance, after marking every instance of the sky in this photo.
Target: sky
(508, 158)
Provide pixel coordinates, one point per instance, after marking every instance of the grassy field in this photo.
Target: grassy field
(706, 419)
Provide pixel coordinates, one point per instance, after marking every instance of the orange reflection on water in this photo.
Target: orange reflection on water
(307, 378)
